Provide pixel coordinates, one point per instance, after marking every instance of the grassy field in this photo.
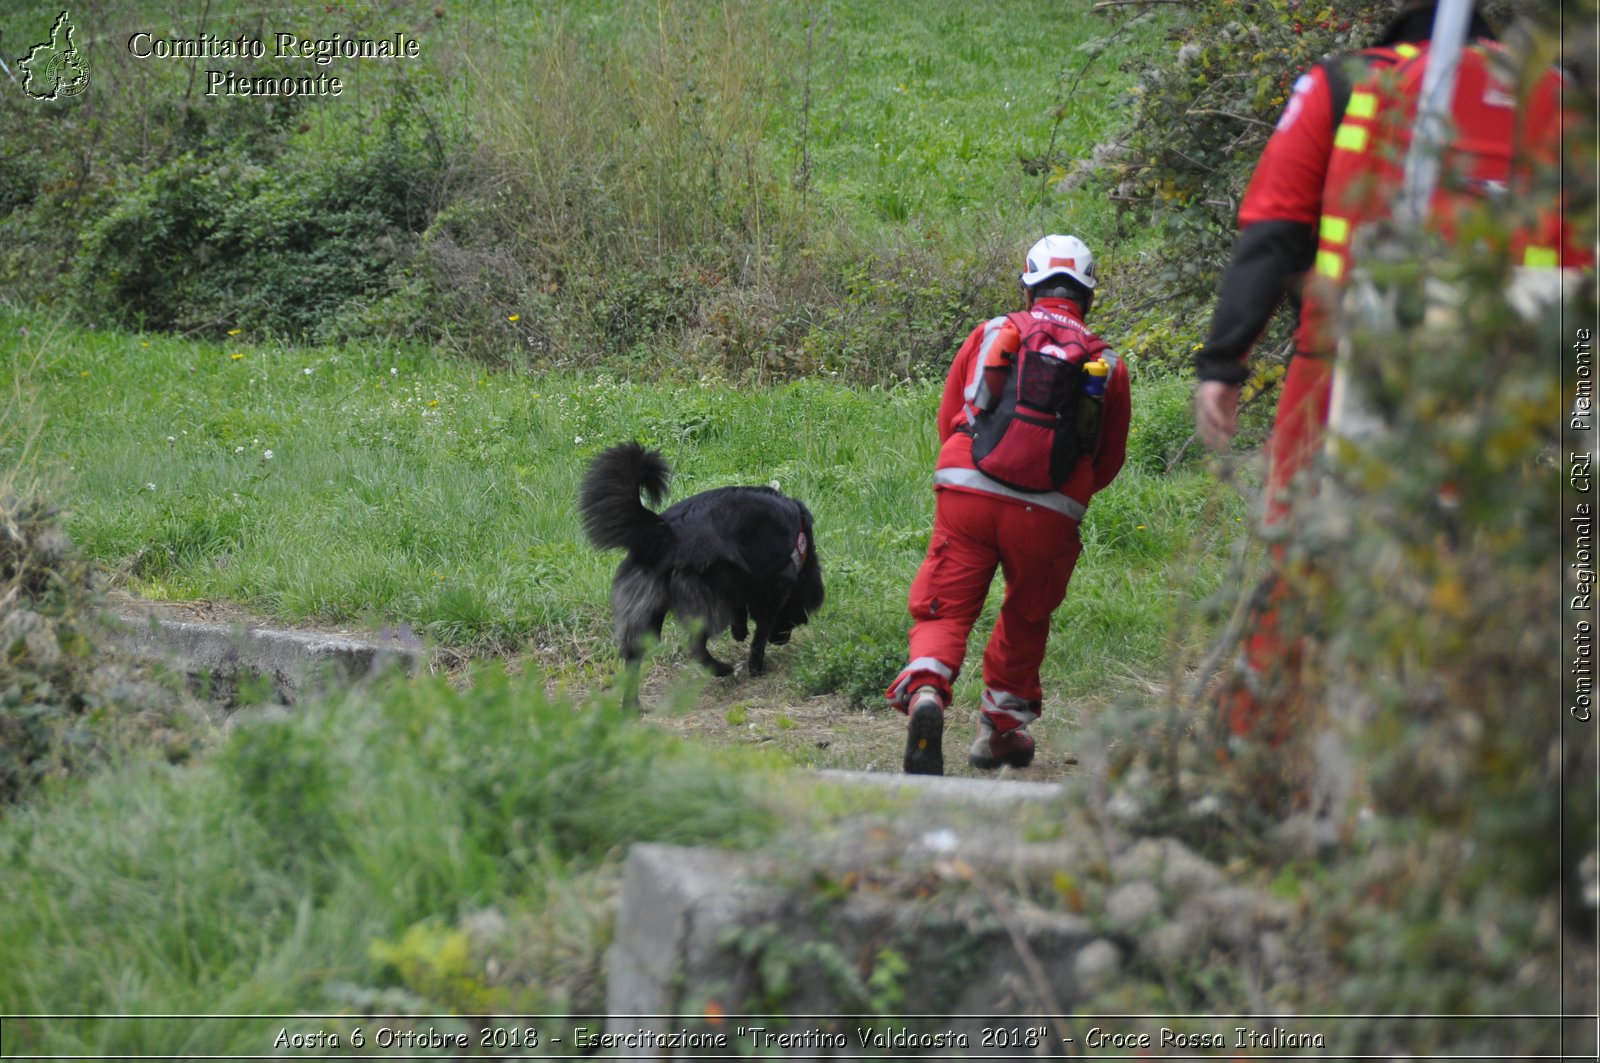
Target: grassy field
(354, 485)
(768, 190)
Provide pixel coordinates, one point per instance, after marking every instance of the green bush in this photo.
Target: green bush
(209, 243)
(64, 168)
(62, 708)
(1161, 437)
(1202, 113)
(1229, 74)
(860, 665)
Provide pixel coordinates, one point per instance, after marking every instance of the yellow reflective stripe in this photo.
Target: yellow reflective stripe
(1540, 258)
(1330, 264)
(1407, 50)
(1362, 105)
(1335, 230)
(1351, 138)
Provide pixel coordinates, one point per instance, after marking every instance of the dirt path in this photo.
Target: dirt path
(762, 713)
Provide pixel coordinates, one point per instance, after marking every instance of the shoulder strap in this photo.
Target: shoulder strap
(1339, 70)
(1025, 324)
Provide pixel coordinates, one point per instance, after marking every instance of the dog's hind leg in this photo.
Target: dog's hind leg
(638, 610)
(740, 629)
(703, 607)
(702, 652)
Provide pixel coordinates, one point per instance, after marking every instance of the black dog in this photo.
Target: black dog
(716, 559)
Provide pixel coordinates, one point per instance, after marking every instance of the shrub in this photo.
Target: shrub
(61, 708)
(66, 166)
(209, 242)
(1161, 437)
(860, 666)
(1231, 71)
(1202, 114)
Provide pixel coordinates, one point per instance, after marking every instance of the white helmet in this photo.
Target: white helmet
(1060, 254)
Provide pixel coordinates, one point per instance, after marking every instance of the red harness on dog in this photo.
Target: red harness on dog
(802, 546)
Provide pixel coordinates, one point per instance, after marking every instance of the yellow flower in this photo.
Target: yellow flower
(513, 317)
(235, 331)
(235, 357)
(433, 402)
(84, 373)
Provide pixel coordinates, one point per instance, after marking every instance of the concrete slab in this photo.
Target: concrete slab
(291, 660)
(967, 791)
(801, 944)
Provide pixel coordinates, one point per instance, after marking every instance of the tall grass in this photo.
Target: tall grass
(770, 191)
(291, 872)
(779, 189)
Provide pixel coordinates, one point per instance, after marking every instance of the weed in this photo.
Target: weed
(366, 844)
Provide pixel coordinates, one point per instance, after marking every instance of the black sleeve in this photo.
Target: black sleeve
(1268, 257)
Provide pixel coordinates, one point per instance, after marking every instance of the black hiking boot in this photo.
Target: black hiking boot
(925, 734)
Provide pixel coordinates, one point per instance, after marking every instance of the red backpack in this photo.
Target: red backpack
(1038, 411)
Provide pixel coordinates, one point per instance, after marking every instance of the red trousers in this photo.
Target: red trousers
(1264, 703)
(973, 534)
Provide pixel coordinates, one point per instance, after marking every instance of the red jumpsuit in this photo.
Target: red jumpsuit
(1277, 245)
(1296, 218)
(980, 525)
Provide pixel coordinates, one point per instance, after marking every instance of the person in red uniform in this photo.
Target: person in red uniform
(1278, 223)
(1297, 218)
(1012, 482)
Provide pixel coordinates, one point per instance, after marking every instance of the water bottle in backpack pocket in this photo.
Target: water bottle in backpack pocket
(1042, 415)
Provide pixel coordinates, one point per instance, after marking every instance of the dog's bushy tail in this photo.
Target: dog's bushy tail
(608, 500)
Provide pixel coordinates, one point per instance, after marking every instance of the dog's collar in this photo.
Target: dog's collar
(802, 546)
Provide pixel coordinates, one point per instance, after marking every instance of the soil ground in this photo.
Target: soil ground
(738, 711)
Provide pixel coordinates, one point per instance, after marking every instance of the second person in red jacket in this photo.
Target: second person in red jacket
(1033, 421)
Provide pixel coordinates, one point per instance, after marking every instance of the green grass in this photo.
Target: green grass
(327, 859)
(925, 113)
(401, 488)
